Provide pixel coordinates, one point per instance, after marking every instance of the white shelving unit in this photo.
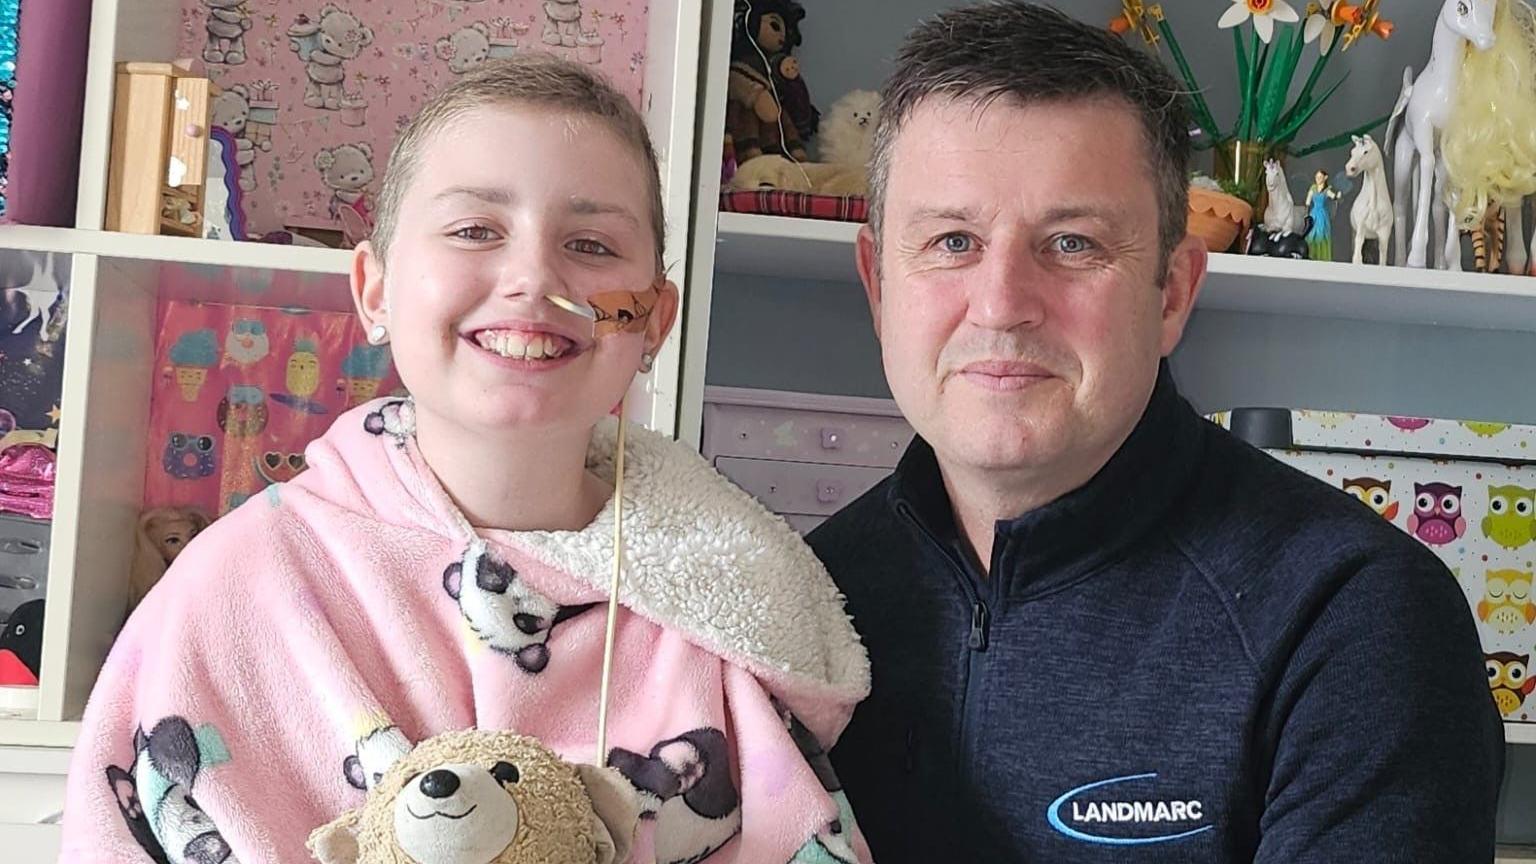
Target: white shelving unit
(822, 250)
(176, 250)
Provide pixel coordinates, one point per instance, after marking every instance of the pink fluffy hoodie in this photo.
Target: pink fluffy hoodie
(303, 642)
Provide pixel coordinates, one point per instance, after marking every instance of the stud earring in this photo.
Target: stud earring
(647, 360)
(378, 334)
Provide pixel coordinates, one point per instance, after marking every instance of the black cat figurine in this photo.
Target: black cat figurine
(1275, 244)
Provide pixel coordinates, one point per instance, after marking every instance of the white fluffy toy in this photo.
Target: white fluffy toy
(848, 130)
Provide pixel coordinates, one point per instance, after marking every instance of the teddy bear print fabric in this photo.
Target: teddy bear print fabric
(314, 92)
(314, 634)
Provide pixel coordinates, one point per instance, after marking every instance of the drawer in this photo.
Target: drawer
(793, 435)
(31, 785)
(31, 844)
(23, 561)
(800, 488)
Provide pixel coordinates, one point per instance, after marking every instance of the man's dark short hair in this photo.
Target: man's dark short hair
(1026, 53)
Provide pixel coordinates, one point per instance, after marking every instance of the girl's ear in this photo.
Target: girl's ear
(662, 317)
(368, 285)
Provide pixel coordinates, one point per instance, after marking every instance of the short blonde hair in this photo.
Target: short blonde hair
(530, 79)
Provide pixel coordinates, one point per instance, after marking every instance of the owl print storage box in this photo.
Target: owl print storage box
(1465, 489)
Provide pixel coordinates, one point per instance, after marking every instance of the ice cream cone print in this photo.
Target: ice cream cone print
(190, 379)
(191, 357)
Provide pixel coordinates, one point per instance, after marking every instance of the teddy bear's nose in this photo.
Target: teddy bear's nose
(440, 783)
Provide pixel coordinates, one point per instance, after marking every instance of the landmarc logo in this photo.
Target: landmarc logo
(1107, 822)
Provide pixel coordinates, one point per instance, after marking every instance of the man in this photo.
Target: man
(1101, 628)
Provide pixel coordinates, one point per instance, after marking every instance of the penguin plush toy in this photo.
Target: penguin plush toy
(21, 645)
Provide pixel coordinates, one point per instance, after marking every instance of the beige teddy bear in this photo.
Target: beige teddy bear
(772, 171)
(485, 797)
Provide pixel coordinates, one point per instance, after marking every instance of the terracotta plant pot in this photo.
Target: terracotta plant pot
(1217, 217)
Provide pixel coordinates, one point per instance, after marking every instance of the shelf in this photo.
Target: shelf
(823, 250)
(38, 733)
(183, 250)
(785, 247)
(1520, 733)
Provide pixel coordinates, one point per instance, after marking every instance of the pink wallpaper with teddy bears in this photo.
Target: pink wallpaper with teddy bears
(314, 91)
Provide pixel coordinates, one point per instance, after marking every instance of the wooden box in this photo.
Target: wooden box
(156, 181)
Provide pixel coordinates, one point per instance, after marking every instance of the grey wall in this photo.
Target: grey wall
(810, 337)
(1234, 359)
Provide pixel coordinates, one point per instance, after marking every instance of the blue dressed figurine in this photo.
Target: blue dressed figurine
(1320, 198)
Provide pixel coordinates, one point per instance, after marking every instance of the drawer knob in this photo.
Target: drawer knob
(192, 130)
(831, 439)
(828, 491)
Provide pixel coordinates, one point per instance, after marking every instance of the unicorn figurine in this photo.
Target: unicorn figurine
(1489, 144)
(1280, 214)
(39, 295)
(1371, 217)
(1424, 105)
(1279, 234)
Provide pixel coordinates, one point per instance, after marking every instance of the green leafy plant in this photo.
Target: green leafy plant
(1266, 66)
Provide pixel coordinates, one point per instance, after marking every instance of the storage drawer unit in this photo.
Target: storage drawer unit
(805, 456)
(23, 561)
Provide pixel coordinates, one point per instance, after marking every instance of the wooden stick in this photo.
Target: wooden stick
(613, 591)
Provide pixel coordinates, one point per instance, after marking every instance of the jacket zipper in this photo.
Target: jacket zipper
(981, 622)
(981, 618)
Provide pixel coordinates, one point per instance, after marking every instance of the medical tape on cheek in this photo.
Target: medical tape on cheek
(623, 311)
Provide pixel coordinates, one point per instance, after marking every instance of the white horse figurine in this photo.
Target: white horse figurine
(1281, 215)
(1425, 106)
(1371, 216)
(1515, 259)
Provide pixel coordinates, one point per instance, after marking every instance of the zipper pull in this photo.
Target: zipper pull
(979, 627)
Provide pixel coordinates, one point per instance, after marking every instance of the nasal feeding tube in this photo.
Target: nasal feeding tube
(611, 313)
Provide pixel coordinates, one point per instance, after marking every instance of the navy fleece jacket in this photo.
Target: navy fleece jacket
(1201, 655)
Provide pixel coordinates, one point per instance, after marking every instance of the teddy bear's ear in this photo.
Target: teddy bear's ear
(336, 842)
(618, 812)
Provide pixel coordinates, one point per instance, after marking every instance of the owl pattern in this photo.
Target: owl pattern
(1467, 490)
(1506, 603)
(1375, 494)
(1509, 679)
(1511, 519)
(1436, 518)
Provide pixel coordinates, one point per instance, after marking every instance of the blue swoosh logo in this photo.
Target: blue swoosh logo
(1053, 814)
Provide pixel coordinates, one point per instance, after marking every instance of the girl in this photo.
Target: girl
(443, 562)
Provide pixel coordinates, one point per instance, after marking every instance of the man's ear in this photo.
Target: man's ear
(368, 285)
(1181, 288)
(867, 257)
(662, 317)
